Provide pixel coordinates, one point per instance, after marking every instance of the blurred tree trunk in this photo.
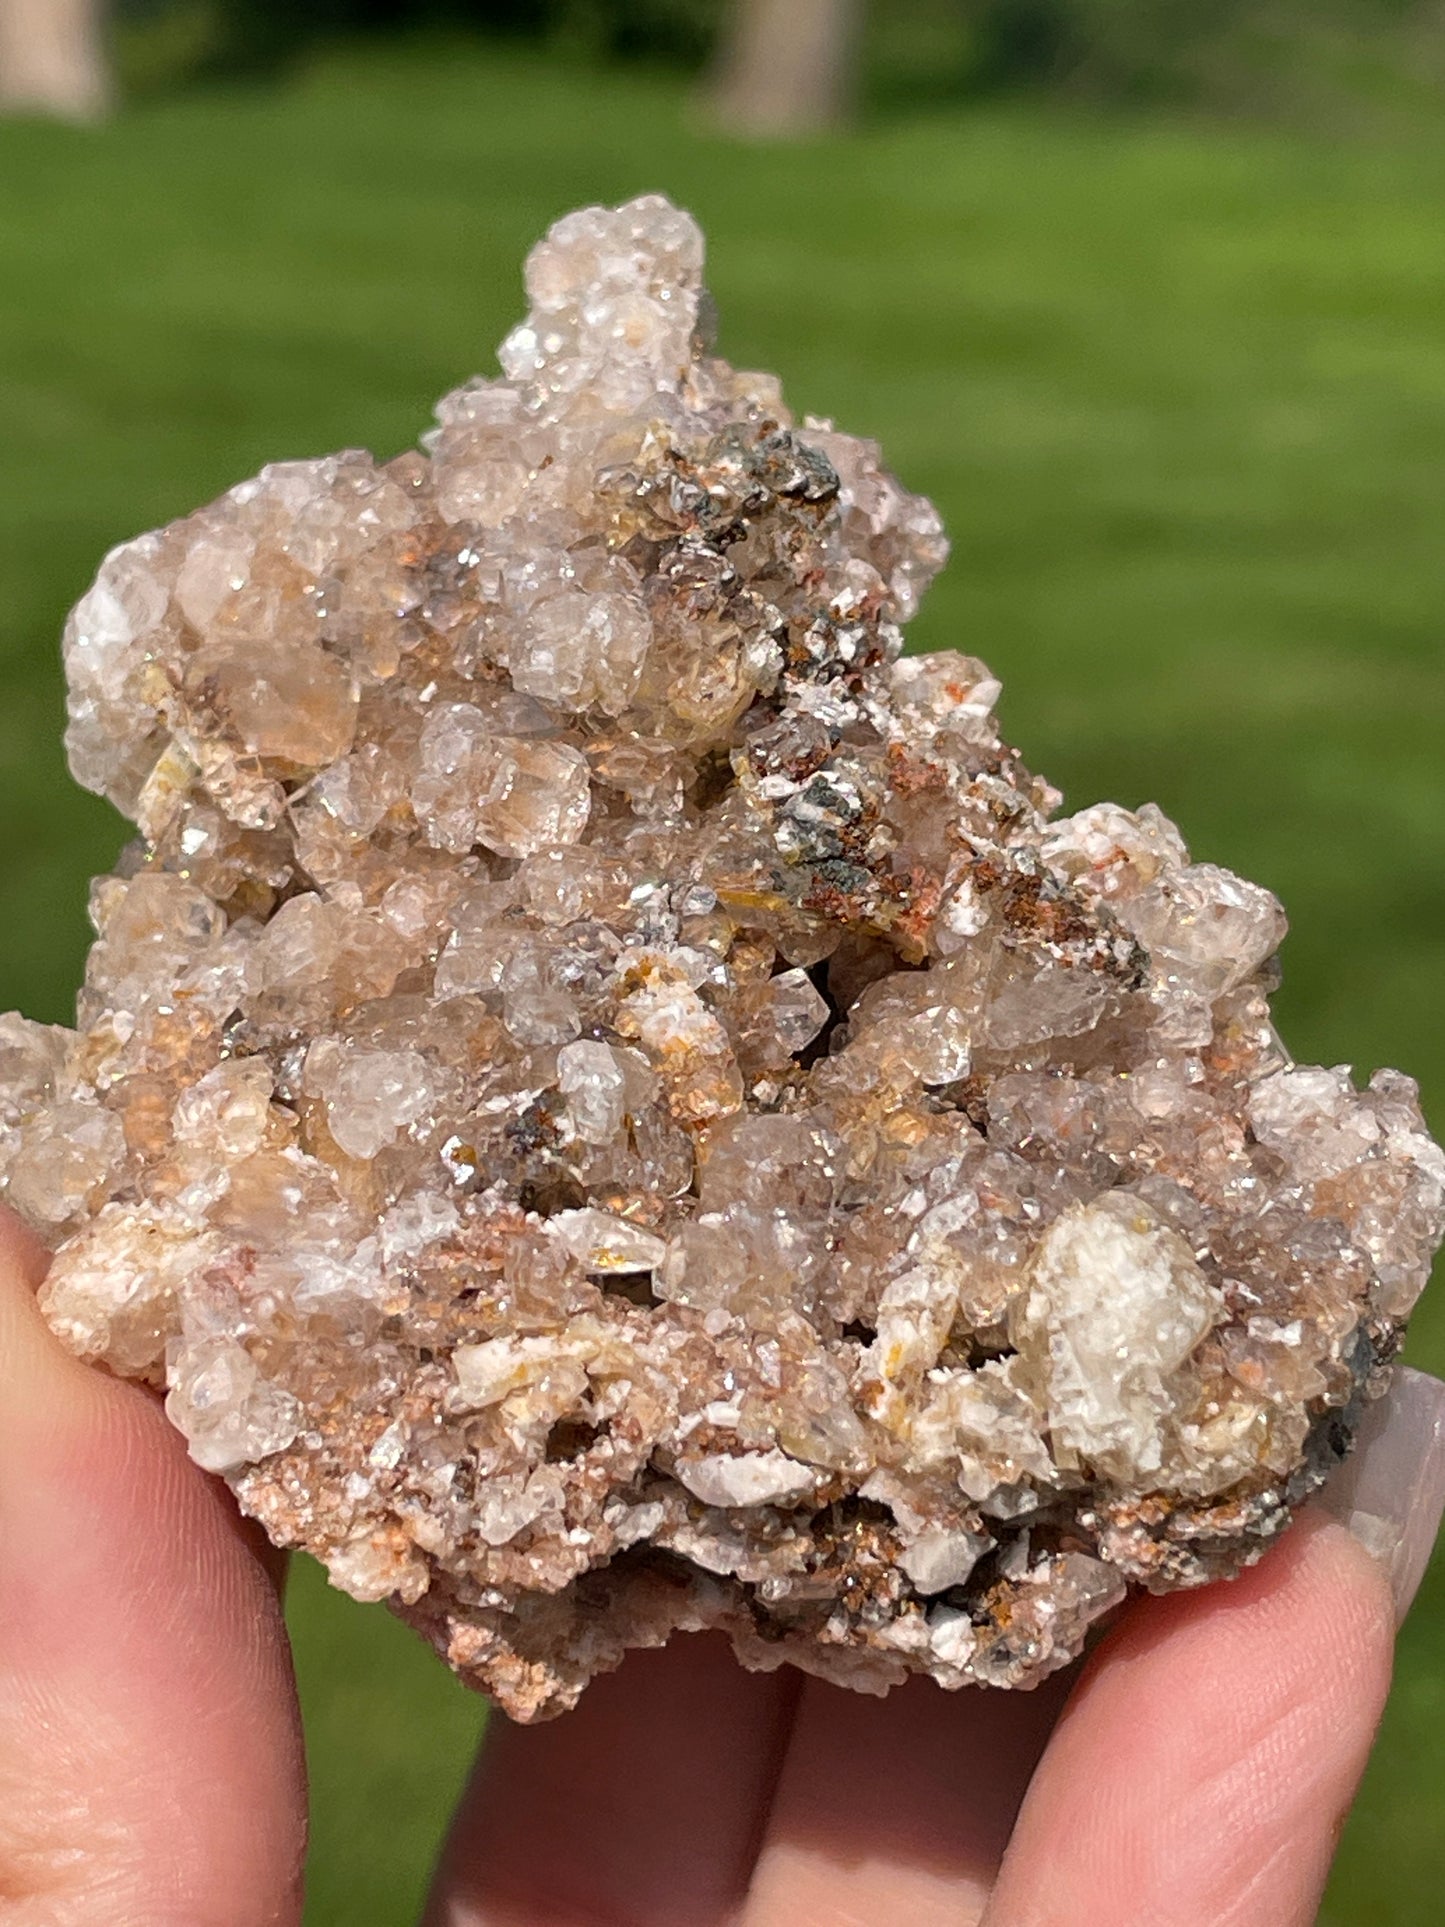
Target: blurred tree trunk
(52, 58)
(787, 66)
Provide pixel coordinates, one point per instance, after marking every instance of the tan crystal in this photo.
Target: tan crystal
(611, 1101)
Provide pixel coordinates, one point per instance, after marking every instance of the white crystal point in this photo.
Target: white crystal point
(610, 1100)
(1114, 1307)
(620, 287)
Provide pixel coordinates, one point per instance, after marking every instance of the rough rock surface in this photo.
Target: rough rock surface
(613, 1104)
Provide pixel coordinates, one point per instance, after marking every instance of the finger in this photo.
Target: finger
(897, 1810)
(1205, 1763)
(1390, 1492)
(643, 1806)
(150, 1762)
(25, 1259)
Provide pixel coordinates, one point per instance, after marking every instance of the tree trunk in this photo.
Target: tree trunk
(787, 66)
(52, 58)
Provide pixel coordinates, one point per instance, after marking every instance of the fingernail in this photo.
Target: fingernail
(1390, 1492)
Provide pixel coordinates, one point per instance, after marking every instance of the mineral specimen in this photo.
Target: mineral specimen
(613, 1104)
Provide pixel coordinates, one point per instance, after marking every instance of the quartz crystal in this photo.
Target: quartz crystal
(613, 1103)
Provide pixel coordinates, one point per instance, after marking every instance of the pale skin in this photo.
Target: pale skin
(1194, 1773)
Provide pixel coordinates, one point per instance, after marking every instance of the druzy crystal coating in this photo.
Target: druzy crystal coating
(613, 1103)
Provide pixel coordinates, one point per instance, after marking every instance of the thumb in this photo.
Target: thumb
(150, 1761)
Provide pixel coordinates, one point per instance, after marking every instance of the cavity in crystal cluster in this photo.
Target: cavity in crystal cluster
(610, 1098)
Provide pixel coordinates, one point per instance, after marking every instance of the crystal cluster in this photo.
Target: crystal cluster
(613, 1103)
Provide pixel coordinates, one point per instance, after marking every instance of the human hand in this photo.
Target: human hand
(1193, 1773)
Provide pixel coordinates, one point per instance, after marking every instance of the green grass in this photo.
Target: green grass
(1179, 392)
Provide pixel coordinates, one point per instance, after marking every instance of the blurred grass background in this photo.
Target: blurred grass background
(1178, 386)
